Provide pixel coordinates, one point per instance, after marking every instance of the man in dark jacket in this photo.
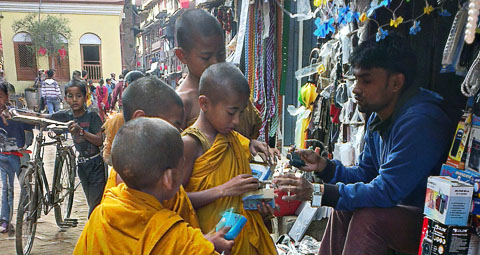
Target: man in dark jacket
(379, 202)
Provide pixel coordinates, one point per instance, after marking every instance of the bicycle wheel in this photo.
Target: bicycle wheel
(27, 211)
(64, 187)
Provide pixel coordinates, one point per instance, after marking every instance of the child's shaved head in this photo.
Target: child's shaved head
(219, 80)
(150, 95)
(143, 149)
(195, 22)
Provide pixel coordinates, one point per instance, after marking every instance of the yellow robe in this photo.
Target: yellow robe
(111, 127)
(180, 203)
(132, 222)
(227, 158)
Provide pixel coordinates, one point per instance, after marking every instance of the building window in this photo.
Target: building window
(90, 46)
(61, 64)
(25, 59)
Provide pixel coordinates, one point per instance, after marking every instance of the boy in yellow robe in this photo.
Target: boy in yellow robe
(201, 43)
(217, 159)
(151, 97)
(148, 155)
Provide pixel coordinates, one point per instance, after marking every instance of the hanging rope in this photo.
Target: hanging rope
(471, 84)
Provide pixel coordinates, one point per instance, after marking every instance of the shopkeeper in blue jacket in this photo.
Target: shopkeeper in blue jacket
(379, 203)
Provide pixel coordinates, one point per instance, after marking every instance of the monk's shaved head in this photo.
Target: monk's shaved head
(143, 149)
(193, 23)
(150, 95)
(222, 80)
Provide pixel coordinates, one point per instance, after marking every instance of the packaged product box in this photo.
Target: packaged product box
(475, 210)
(260, 171)
(473, 245)
(473, 156)
(467, 176)
(440, 239)
(448, 200)
(457, 154)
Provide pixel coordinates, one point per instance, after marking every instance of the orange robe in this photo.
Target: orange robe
(227, 158)
(111, 127)
(132, 222)
(180, 203)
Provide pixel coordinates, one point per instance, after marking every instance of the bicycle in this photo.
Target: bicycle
(36, 193)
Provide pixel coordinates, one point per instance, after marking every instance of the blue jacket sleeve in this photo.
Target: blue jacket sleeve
(417, 145)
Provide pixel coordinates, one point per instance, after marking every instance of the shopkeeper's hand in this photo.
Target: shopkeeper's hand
(313, 161)
(296, 188)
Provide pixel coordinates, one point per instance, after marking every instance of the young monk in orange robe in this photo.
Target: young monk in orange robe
(217, 159)
(148, 155)
(153, 98)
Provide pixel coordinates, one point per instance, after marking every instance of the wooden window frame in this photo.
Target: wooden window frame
(24, 74)
(99, 56)
(67, 62)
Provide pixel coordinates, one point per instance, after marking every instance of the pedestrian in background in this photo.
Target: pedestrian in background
(51, 92)
(12, 138)
(112, 78)
(38, 85)
(117, 93)
(102, 99)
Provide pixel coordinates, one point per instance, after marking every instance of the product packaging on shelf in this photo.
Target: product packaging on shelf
(440, 239)
(475, 210)
(457, 154)
(448, 200)
(473, 155)
(467, 176)
(473, 245)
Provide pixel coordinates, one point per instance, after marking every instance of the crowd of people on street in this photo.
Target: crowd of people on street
(179, 158)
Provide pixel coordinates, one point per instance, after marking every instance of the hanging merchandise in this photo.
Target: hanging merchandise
(260, 64)
(454, 44)
(471, 84)
(242, 31)
(302, 114)
(337, 14)
(308, 95)
(473, 10)
(304, 10)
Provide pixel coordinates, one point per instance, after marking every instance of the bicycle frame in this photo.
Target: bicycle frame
(46, 194)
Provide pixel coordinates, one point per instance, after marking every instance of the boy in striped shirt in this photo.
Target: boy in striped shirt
(51, 92)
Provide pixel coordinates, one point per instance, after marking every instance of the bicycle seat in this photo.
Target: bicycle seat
(58, 130)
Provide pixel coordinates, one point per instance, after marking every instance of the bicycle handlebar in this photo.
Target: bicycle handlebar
(46, 123)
